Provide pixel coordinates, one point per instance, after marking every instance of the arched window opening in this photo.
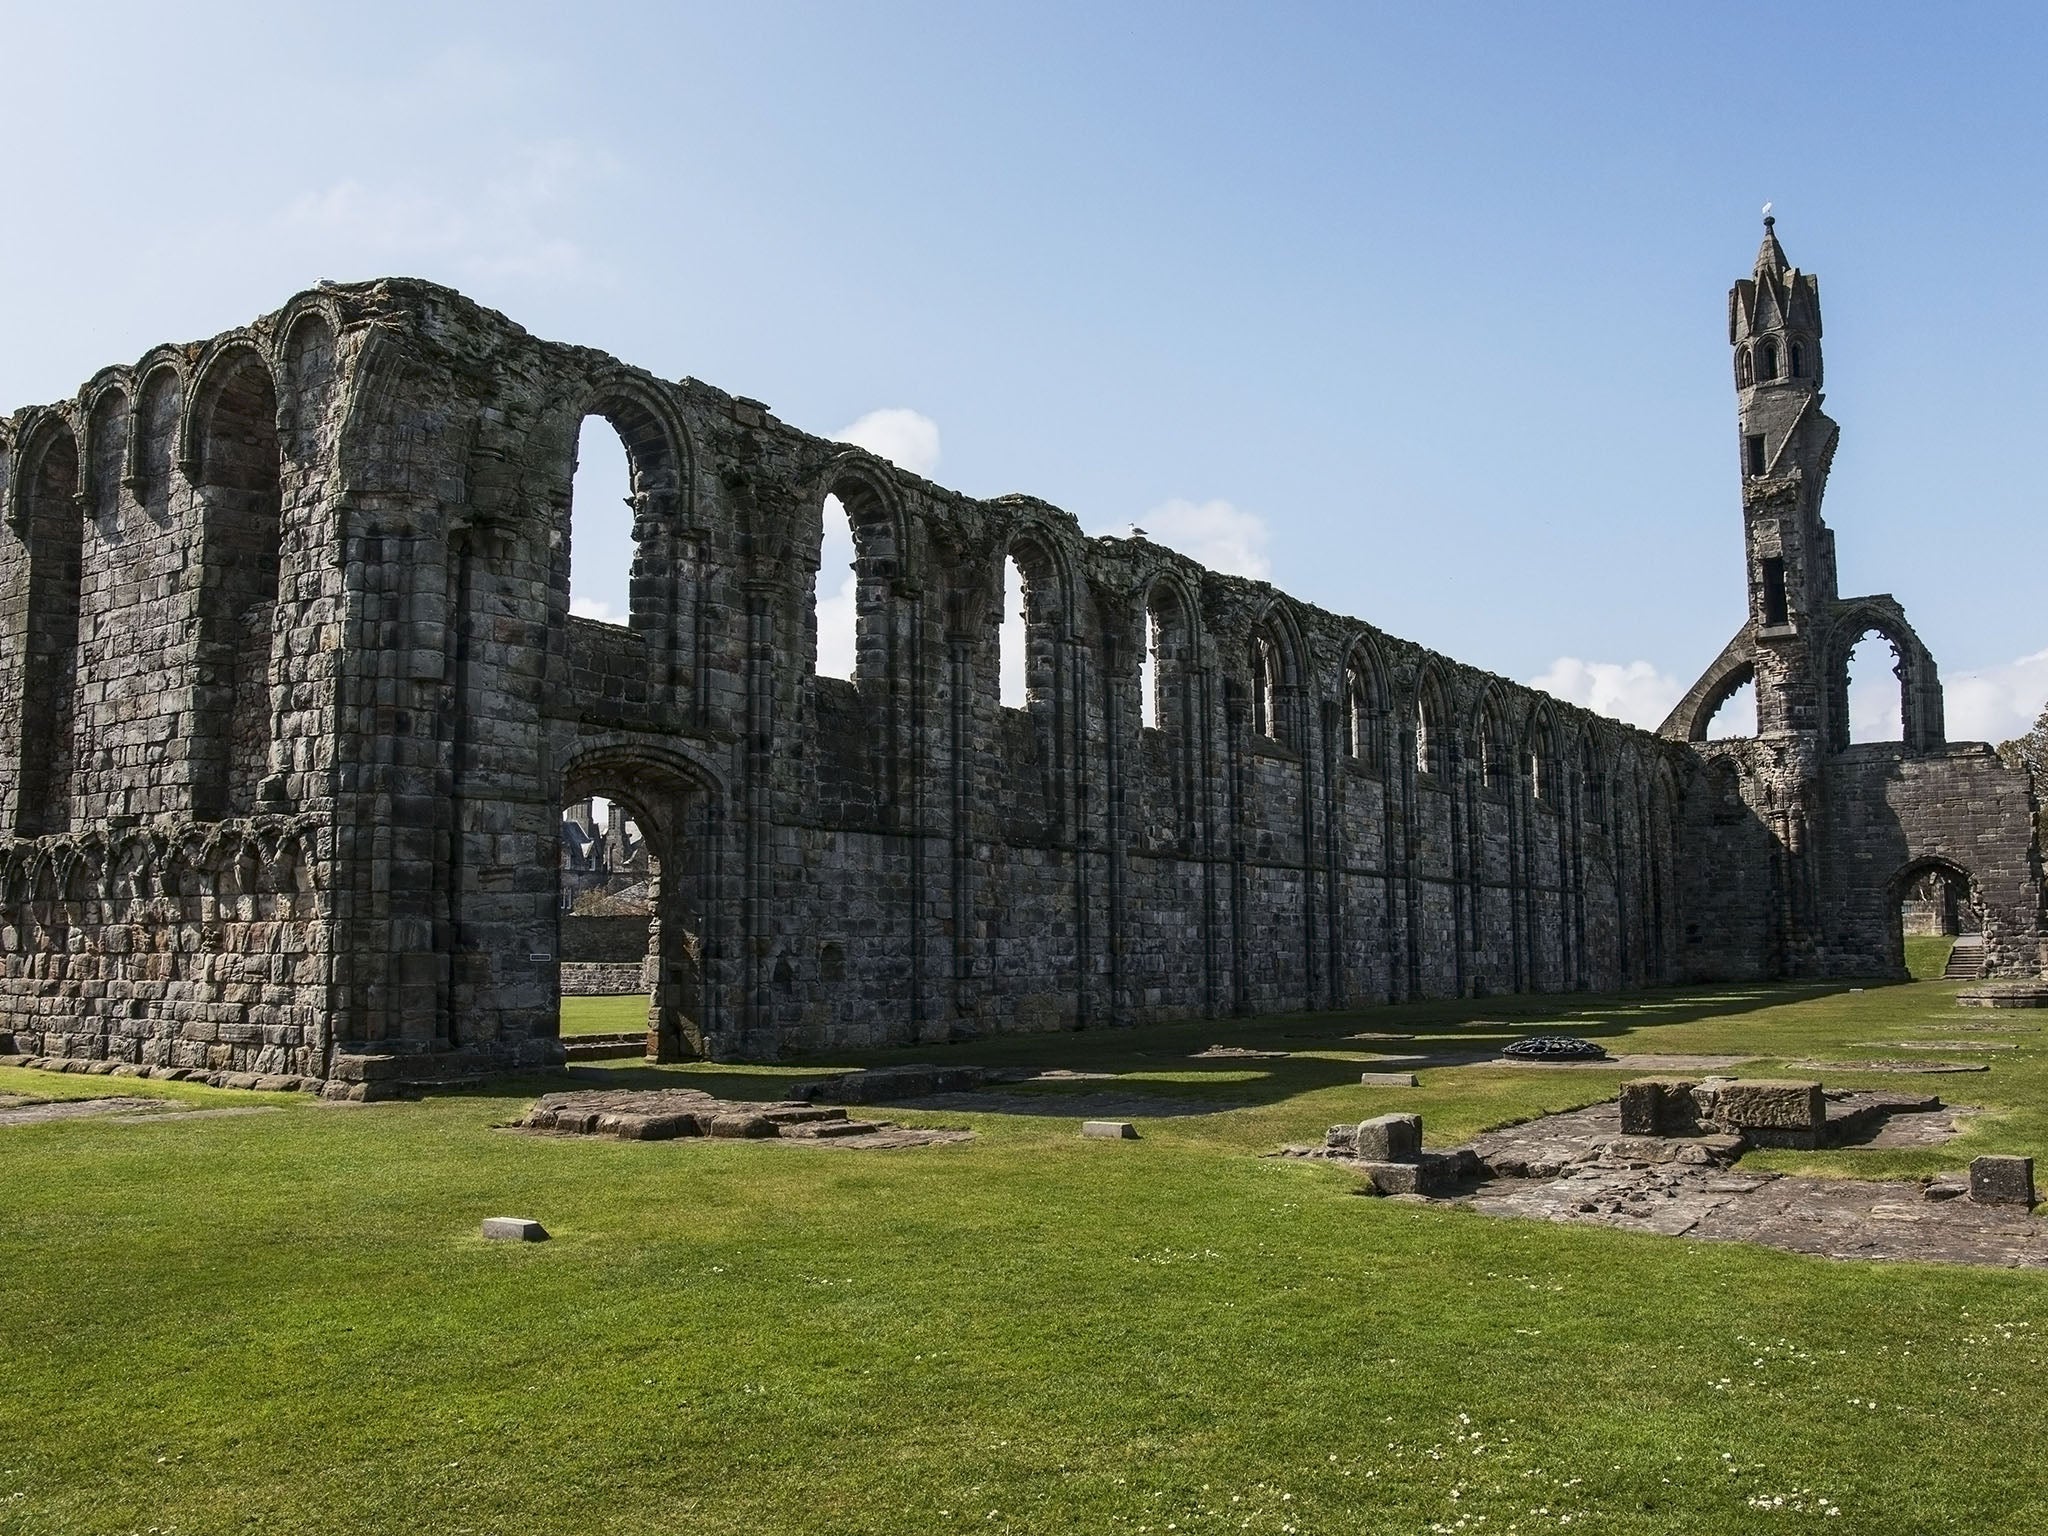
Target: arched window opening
(1736, 715)
(1361, 715)
(1540, 760)
(601, 544)
(1592, 785)
(1013, 640)
(1798, 361)
(241, 496)
(1744, 373)
(1148, 673)
(1877, 689)
(836, 596)
(1265, 686)
(1493, 750)
(52, 528)
(1767, 361)
(1724, 791)
(1431, 748)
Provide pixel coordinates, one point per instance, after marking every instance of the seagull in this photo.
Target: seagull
(1137, 532)
(1767, 210)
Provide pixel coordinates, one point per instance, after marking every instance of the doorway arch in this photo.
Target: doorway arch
(1954, 906)
(674, 805)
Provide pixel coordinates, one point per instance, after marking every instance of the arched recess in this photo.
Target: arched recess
(676, 807)
(1960, 899)
(153, 440)
(1540, 760)
(1490, 731)
(1921, 724)
(1435, 752)
(1362, 717)
(655, 473)
(880, 568)
(1660, 911)
(1593, 786)
(1168, 685)
(233, 459)
(49, 519)
(1274, 678)
(1046, 605)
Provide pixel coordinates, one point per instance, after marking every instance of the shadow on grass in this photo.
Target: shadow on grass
(1325, 1049)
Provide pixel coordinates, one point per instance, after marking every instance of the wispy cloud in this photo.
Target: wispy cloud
(906, 438)
(1222, 536)
(1995, 703)
(513, 224)
(1634, 691)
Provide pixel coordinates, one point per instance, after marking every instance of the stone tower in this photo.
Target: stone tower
(1787, 443)
(1840, 831)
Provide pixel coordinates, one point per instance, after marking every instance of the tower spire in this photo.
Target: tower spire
(1770, 256)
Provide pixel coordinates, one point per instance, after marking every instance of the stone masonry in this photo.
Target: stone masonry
(292, 703)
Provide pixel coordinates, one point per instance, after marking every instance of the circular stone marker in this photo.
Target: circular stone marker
(1554, 1048)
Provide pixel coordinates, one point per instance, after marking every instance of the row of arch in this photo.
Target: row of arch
(202, 447)
(1762, 361)
(265, 857)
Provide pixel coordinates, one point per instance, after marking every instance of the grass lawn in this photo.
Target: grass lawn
(610, 1014)
(288, 1321)
(1927, 955)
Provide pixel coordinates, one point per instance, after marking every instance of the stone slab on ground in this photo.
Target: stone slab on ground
(1580, 1167)
(1238, 1053)
(1920, 1068)
(120, 1110)
(1109, 1130)
(667, 1114)
(2006, 994)
(514, 1229)
(1386, 1079)
(911, 1080)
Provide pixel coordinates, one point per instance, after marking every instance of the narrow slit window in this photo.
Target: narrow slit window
(1775, 611)
(1753, 452)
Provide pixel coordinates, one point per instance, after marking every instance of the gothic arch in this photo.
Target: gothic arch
(1541, 759)
(1274, 668)
(1436, 748)
(1920, 703)
(1722, 682)
(1492, 730)
(46, 511)
(1362, 704)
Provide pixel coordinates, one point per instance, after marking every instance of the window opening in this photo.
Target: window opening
(1148, 674)
(1736, 715)
(1753, 450)
(1774, 590)
(836, 594)
(1877, 704)
(1012, 638)
(1767, 361)
(601, 547)
(1798, 361)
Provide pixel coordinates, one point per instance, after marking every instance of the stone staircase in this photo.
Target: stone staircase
(1966, 960)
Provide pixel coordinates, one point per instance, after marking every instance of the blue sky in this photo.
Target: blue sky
(1420, 308)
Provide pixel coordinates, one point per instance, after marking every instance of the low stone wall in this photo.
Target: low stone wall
(582, 978)
(613, 940)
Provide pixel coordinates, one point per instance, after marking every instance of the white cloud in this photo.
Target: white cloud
(503, 226)
(1634, 691)
(592, 608)
(1996, 703)
(1223, 537)
(906, 438)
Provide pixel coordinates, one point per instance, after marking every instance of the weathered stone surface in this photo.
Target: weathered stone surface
(295, 701)
(666, 1114)
(1387, 1079)
(1659, 1106)
(514, 1229)
(1110, 1130)
(1389, 1139)
(1769, 1112)
(1996, 1180)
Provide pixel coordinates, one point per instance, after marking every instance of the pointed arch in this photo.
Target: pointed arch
(1540, 760)
(1492, 732)
(1435, 752)
(1362, 695)
(47, 512)
(1274, 674)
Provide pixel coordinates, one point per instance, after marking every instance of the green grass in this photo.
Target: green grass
(604, 1015)
(288, 1321)
(1927, 955)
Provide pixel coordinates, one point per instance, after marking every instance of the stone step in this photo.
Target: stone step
(804, 1114)
(821, 1129)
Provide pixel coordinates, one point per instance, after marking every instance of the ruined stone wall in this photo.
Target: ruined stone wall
(339, 595)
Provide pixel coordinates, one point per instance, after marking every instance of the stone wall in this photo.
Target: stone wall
(331, 584)
(589, 978)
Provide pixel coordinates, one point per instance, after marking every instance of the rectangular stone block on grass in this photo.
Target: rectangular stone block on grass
(2002, 1181)
(1389, 1139)
(514, 1229)
(1387, 1079)
(1110, 1130)
(1658, 1106)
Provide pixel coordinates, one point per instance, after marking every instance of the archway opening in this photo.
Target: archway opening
(601, 546)
(1148, 673)
(1941, 924)
(629, 960)
(1736, 714)
(1877, 700)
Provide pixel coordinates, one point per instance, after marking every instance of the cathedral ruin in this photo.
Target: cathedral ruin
(292, 701)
